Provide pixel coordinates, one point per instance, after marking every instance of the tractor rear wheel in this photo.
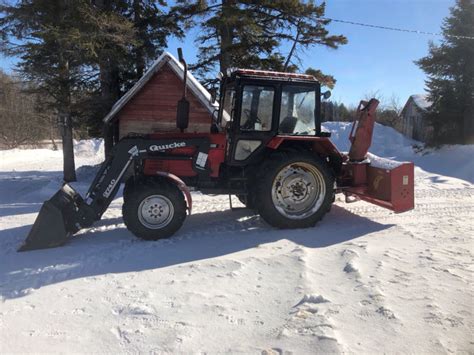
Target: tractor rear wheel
(295, 191)
(154, 210)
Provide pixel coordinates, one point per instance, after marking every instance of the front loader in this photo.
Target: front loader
(265, 146)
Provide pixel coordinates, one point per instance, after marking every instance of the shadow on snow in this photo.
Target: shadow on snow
(110, 248)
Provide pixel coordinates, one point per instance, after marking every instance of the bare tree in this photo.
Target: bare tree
(389, 109)
(21, 122)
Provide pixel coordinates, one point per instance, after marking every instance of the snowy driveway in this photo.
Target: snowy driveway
(364, 280)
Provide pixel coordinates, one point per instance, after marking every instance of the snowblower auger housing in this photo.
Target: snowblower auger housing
(265, 145)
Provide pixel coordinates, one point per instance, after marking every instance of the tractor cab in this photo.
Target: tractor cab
(257, 106)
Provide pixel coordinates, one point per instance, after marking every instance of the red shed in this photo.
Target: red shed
(150, 105)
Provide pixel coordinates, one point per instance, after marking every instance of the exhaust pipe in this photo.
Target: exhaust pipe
(182, 114)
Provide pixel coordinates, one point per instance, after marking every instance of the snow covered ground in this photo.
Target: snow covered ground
(364, 280)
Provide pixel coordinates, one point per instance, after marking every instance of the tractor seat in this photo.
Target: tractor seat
(287, 126)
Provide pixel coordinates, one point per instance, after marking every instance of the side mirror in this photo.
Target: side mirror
(326, 95)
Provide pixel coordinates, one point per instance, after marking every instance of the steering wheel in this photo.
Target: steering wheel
(250, 123)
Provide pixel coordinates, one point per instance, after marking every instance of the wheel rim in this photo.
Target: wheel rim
(298, 190)
(155, 211)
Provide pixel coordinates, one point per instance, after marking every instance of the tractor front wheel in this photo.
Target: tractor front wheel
(295, 191)
(154, 210)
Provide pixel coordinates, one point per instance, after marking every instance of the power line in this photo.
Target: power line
(397, 29)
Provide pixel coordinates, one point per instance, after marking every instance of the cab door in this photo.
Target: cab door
(253, 122)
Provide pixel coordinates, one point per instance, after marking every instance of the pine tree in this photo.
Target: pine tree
(84, 54)
(153, 26)
(58, 42)
(450, 83)
(109, 57)
(252, 34)
(145, 27)
(324, 79)
(51, 50)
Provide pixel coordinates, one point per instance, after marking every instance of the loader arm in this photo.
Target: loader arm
(67, 212)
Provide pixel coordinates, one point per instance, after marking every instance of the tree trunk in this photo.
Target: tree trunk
(69, 166)
(65, 120)
(109, 83)
(108, 138)
(293, 48)
(109, 77)
(139, 50)
(139, 62)
(52, 131)
(225, 33)
(110, 92)
(468, 127)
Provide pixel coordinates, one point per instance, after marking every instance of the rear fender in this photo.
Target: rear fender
(322, 146)
(181, 185)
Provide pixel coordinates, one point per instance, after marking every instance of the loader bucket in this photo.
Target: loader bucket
(55, 222)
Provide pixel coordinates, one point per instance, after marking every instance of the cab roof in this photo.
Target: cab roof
(272, 75)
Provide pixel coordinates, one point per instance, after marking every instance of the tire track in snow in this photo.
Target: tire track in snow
(309, 320)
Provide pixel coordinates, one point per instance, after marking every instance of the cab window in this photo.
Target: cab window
(297, 110)
(257, 108)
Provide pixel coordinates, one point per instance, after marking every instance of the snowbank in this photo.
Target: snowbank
(386, 141)
(89, 148)
(453, 160)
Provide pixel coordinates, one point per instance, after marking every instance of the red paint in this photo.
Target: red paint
(359, 174)
(184, 168)
(389, 188)
(181, 185)
(322, 145)
(153, 108)
(362, 138)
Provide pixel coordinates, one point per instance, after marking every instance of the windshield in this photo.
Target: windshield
(297, 110)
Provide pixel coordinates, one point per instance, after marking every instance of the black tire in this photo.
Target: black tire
(308, 185)
(154, 210)
(247, 200)
(128, 187)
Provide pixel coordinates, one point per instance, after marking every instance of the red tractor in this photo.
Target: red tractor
(265, 146)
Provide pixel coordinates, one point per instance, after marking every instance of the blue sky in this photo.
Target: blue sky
(373, 60)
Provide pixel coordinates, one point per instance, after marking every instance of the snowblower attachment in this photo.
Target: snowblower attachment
(383, 182)
(56, 221)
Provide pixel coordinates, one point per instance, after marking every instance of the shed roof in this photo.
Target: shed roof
(166, 58)
(421, 101)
